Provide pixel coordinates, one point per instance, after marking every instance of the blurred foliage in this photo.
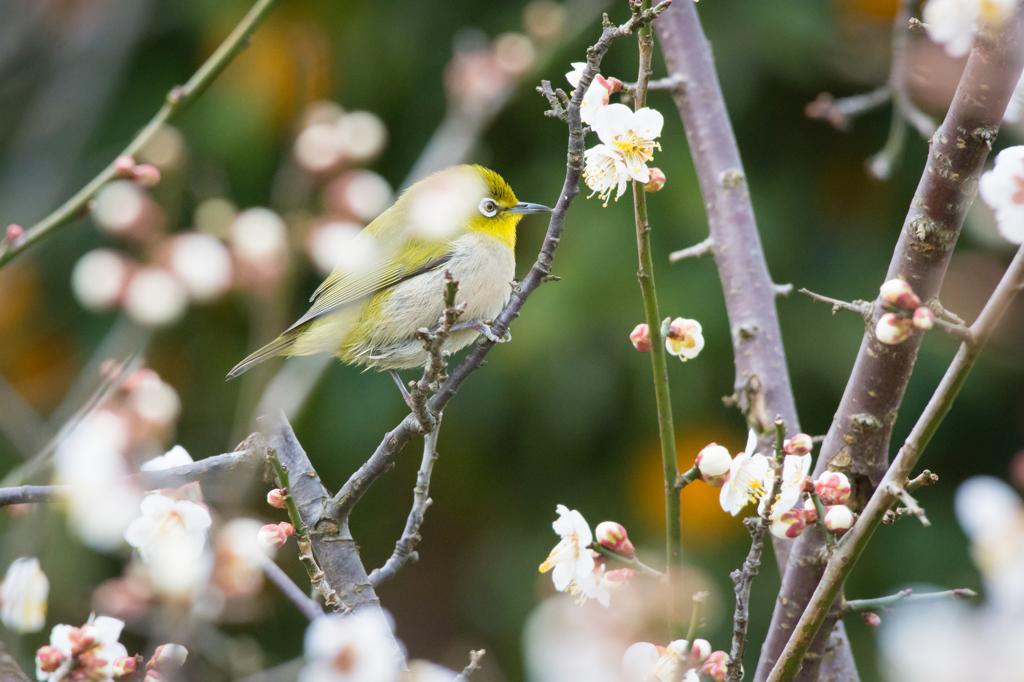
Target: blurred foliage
(565, 413)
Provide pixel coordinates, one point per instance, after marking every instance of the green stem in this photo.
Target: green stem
(293, 511)
(905, 597)
(819, 507)
(629, 562)
(659, 356)
(178, 100)
(699, 598)
(683, 480)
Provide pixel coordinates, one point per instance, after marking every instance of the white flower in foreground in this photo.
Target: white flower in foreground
(1002, 188)
(954, 23)
(794, 469)
(175, 457)
(746, 479)
(605, 171)
(23, 596)
(597, 95)
(96, 663)
(992, 516)
(349, 648)
(591, 586)
(685, 339)
(631, 134)
(164, 520)
(570, 559)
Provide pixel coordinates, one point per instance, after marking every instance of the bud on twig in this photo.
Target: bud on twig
(656, 182)
(699, 652)
(49, 658)
(168, 657)
(274, 535)
(613, 581)
(897, 292)
(124, 665)
(146, 175)
(893, 329)
(800, 444)
(838, 518)
(924, 318)
(124, 167)
(641, 338)
(278, 498)
(714, 666)
(612, 536)
(810, 511)
(714, 462)
(13, 232)
(833, 487)
(789, 525)
(871, 618)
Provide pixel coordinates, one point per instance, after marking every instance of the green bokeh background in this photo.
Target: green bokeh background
(564, 413)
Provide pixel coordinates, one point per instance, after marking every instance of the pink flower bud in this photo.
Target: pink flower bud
(833, 487)
(613, 536)
(893, 329)
(714, 462)
(146, 175)
(657, 180)
(168, 657)
(810, 512)
(84, 638)
(613, 581)
(49, 658)
(152, 676)
(924, 318)
(699, 652)
(124, 665)
(614, 85)
(714, 666)
(94, 667)
(898, 293)
(871, 619)
(641, 338)
(800, 444)
(274, 535)
(278, 498)
(838, 518)
(13, 232)
(124, 167)
(789, 525)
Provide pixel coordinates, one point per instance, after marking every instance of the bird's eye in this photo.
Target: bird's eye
(488, 207)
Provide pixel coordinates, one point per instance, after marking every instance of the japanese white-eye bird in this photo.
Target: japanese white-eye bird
(367, 312)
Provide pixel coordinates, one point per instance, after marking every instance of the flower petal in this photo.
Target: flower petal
(647, 123)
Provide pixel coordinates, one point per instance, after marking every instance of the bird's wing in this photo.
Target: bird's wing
(344, 288)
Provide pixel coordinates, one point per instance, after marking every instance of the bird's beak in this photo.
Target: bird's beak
(523, 207)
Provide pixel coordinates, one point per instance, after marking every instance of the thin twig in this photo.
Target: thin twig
(704, 248)
(179, 99)
(628, 562)
(925, 478)
(696, 613)
(405, 548)
(683, 480)
(840, 112)
(819, 508)
(474, 665)
(309, 608)
(904, 597)
(910, 503)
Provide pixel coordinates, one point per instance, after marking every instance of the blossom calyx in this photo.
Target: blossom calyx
(278, 498)
(896, 292)
(274, 535)
(641, 338)
(924, 318)
(789, 524)
(168, 657)
(611, 535)
(714, 666)
(810, 511)
(49, 658)
(124, 167)
(893, 329)
(152, 676)
(838, 518)
(800, 444)
(657, 180)
(833, 487)
(714, 462)
(613, 581)
(871, 619)
(125, 665)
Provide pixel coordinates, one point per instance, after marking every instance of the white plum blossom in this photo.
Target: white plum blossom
(165, 520)
(794, 469)
(98, 661)
(23, 596)
(597, 95)
(570, 560)
(685, 339)
(349, 648)
(627, 144)
(591, 586)
(1002, 188)
(954, 23)
(746, 482)
(645, 662)
(175, 457)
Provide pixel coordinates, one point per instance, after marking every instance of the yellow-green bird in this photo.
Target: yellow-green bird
(368, 310)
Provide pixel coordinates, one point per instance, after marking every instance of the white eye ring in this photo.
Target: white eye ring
(488, 207)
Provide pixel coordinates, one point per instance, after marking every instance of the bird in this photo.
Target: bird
(367, 312)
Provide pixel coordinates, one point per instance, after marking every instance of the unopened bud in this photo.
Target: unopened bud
(898, 293)
(614, 85)
(124, 665)
(893, 329)
(274, 535)
(838, 518)
(714, 666)
(152, 676)
(789, 525)
(641, 338)
(13, 232)
(657, 180)
(810, 512)
(833, 487)
(49, 658)
(871, 619)
(714, 462)
(94, 667)
(168, 657)
(800, 444)
(278, 498)
(84, 638)
(146, 175)
(612, 536)
(699, 652)
(924, 318)
(124, 167)
(613, 581)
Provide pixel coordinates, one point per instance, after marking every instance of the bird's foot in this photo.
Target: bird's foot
(401, 387)
(484, 328)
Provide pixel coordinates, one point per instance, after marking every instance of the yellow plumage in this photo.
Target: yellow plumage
(367, 311)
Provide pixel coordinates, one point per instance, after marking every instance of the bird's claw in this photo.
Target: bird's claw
(485, 330)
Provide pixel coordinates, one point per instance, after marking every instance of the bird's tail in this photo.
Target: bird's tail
(278, 346)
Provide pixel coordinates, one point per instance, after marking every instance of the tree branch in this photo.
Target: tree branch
(179, 99)
(858, 441)
(474, 665)
(309, 608)
(904, 597)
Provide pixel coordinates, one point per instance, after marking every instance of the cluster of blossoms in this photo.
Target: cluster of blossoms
(92, 653)
(628, 139)
(679, 661)
(684, 338)
(274, 535)
(905, 313)
(749, 478)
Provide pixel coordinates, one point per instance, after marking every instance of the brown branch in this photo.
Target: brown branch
(704, 248)
(904, 597)
(866, 309)
(309, 608)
